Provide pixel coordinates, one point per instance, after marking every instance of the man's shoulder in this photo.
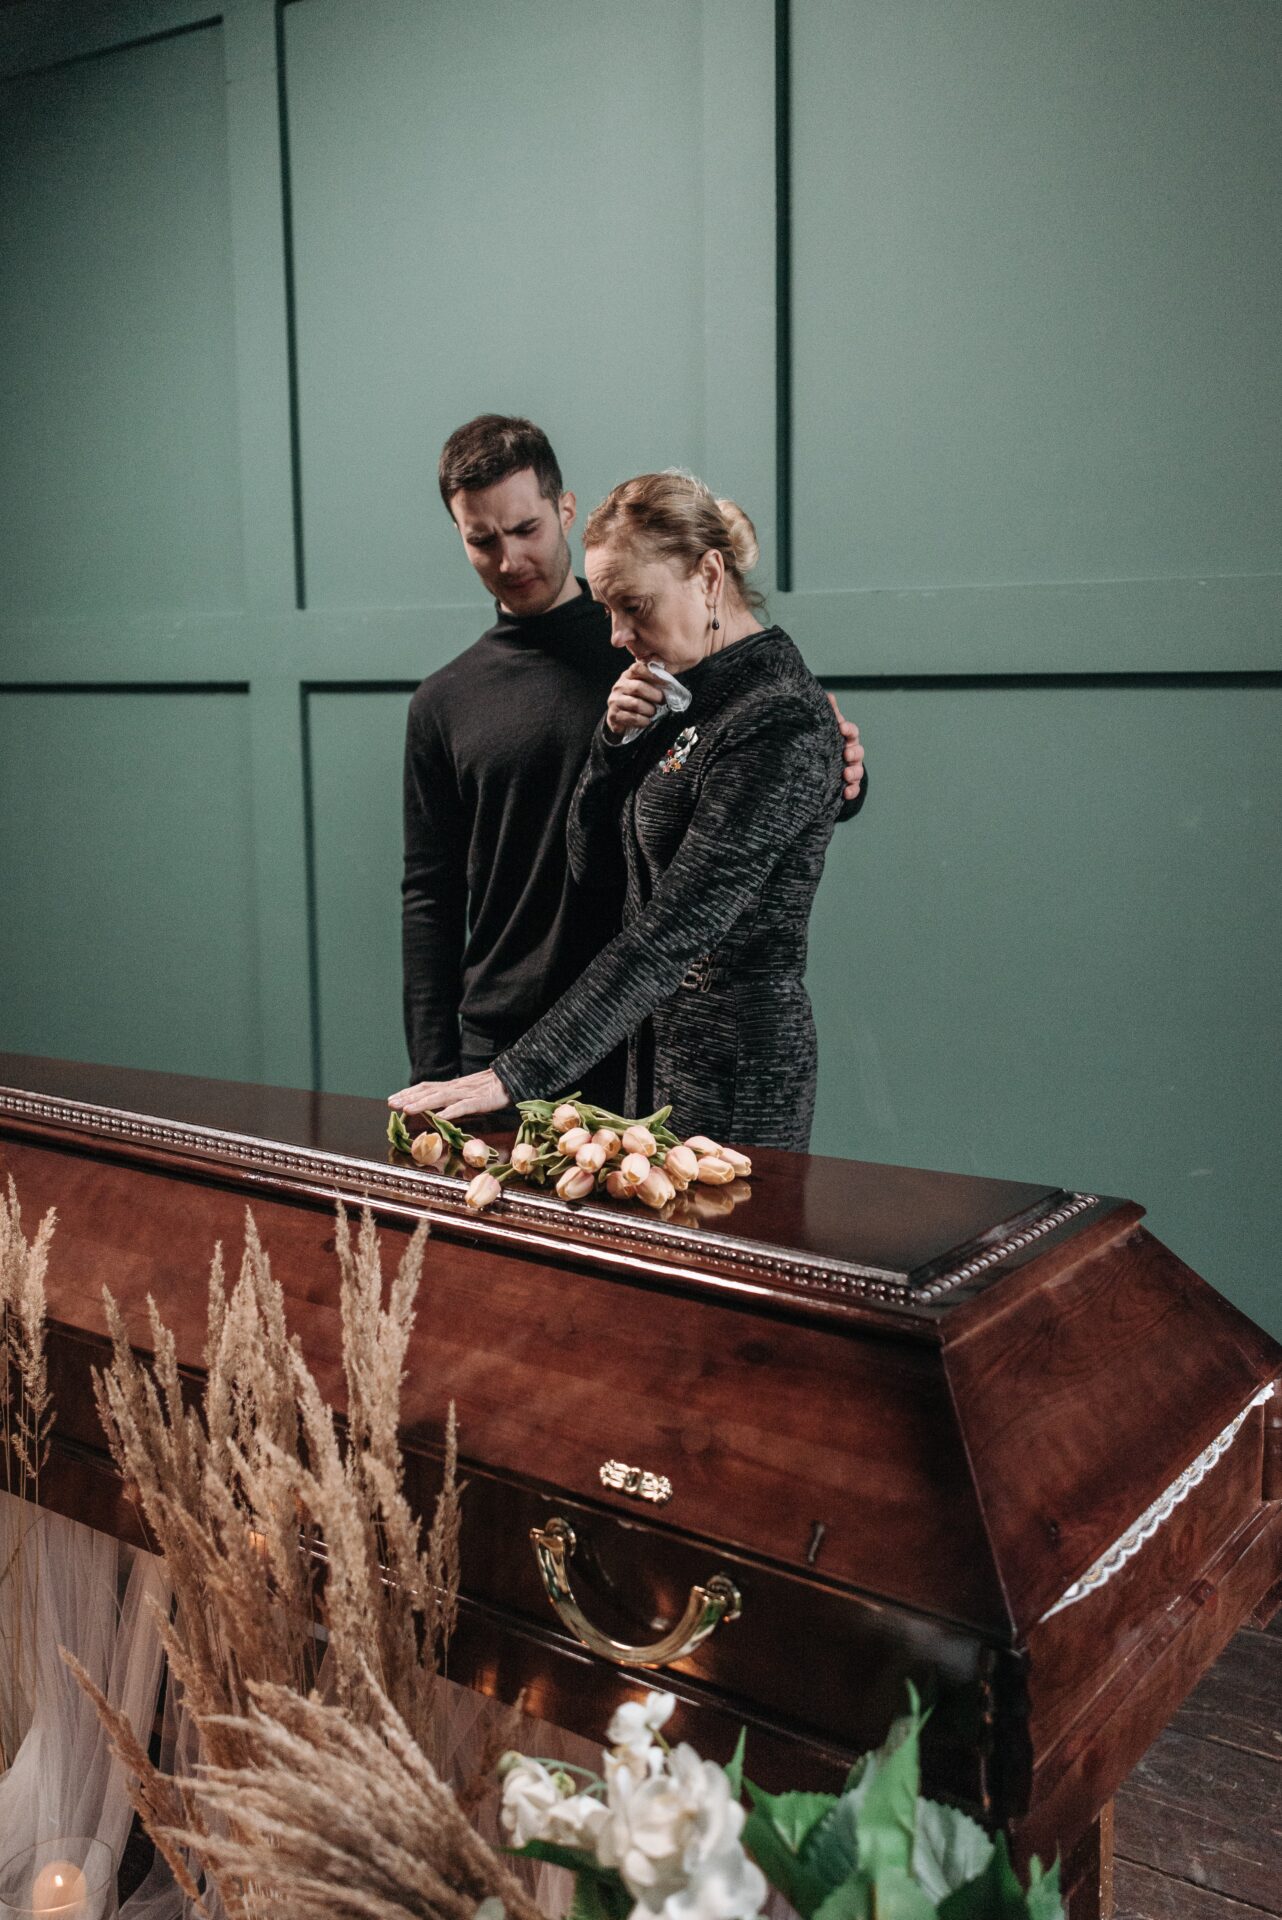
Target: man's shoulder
(436, 692)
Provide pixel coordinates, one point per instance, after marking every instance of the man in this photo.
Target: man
(494, 926)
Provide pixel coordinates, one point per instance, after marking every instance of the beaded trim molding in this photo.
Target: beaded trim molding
(1111, 1562)
(808, 1273)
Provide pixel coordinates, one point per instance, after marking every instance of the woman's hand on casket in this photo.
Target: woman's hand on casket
(471, 1093)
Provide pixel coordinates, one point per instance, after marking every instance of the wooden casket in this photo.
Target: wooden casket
(867, 1425)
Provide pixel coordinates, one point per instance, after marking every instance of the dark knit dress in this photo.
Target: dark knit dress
(722, 816)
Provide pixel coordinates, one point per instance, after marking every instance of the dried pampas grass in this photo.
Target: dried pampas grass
(270, 1518)
(347, 1818)
(25, 1408)
(26, 1416)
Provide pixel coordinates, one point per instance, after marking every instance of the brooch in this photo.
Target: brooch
(680, 750)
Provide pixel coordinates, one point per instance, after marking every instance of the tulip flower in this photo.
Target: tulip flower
(739, 1161)
(682, 1166)
(573, 1139)
(606, 1137)
(656, 1189)
(714, 1171)
(633, 1168)
(524, 1156)
(616, 1186)
(483, 1191)
(427, 1148)
(477, 1153)
(591, 1156)
(640, 1140)
(700, 1143)
(576, 1183)
(565, 1117)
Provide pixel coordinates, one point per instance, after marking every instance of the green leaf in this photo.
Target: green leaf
(1044, 1902)
(832, 1846)
(995, 1895)
(949, 1849)
(598, 1897)
(734, 1771)
(777, 1860)
(852, 1900)
(577, 1859)
(795, 1815)
(898, 1897)
(887, 1818)
(453, 1136)
(398, 1133)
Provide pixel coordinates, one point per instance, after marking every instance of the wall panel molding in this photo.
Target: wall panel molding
(1102, 627)
(257, 186)
(35, 38)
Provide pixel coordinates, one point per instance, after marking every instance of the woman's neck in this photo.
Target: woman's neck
(737, 625)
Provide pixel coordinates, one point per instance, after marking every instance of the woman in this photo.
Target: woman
(721, 813)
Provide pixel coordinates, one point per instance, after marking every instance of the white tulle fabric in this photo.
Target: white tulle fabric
(91, 1594)
(71, 1587)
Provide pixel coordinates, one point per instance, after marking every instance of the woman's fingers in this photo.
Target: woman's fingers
(634, 699)
(470, 1093)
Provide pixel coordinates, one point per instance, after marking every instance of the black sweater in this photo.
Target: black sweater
(723, 815)
(494, 925)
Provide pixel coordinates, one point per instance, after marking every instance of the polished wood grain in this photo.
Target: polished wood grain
(902, 1222)
(901, 1487)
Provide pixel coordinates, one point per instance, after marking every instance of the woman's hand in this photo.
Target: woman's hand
(472, 1093)
(634, 699)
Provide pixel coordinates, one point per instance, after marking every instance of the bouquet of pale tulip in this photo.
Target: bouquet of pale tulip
(582, 1150)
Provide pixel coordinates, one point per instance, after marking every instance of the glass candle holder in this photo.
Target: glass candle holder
(70, 1878)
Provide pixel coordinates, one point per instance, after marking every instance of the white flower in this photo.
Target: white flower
(529, 1796)
(576, 1822)
(539, 1804)
(674, 1837)
(636, 1722)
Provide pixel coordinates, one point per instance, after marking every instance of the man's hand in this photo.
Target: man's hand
(634, 700)
(852, 753)
(472, 1093)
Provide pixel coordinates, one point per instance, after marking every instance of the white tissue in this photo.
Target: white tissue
(676, 698)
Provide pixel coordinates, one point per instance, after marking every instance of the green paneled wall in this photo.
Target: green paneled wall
(457, 252)
(119, 487)
(355, 742)
(1045, 952)
(1031, 297)
(1039, 254)
(127, 932)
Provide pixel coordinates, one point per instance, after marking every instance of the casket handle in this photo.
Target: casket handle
(706, 1608)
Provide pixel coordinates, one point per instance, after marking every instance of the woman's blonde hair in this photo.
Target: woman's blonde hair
(675, 517)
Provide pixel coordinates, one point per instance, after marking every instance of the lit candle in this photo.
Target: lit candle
(59, 1891)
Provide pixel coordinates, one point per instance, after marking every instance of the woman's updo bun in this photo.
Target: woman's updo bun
(674, 517)
(743, 535)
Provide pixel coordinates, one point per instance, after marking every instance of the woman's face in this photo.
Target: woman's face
(656, 611)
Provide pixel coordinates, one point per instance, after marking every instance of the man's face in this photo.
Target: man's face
(515, 538)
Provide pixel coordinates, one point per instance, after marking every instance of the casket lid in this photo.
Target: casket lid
(828, 1235)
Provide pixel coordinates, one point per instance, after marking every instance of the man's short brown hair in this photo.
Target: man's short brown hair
(490, 448)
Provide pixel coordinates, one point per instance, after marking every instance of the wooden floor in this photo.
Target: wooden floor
(1199, 1823)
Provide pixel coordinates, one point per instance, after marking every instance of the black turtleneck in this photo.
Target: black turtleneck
(494, 926)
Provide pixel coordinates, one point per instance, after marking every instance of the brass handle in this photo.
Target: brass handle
(706, 1608)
